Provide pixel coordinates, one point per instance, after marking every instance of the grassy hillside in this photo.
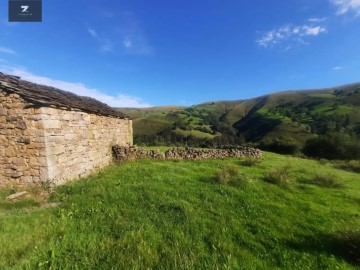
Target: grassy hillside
(299, 115)
(282, 213)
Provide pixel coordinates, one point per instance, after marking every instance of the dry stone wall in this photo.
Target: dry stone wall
(122, 153)
(22, 142)
(52, 144)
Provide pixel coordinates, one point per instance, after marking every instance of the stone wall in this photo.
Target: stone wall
(122, 153)
(54, 145)
(78, 142)
(22, 142)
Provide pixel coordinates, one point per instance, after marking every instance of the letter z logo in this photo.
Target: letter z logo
(25, 8)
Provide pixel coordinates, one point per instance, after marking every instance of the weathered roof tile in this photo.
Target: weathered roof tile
(49, 96)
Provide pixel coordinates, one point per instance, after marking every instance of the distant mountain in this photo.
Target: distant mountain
(295, 115)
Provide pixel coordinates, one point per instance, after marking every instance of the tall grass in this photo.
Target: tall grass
(279, 176)
(230, 174)
(326, 180)
(352, 165)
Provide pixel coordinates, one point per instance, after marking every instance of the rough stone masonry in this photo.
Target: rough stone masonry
(52, 136)
(125, 153)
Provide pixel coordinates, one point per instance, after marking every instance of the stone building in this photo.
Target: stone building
(52, 136)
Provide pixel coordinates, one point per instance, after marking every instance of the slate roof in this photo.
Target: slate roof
(47, 96)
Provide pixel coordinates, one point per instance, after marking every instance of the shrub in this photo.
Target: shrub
(287, 146)
(279, 176)
(334, 146)
(326, 180)
(230, 174)
(352, 165)
(250, 161)
(226, 174)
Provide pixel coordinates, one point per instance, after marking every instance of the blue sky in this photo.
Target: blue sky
(136, 53)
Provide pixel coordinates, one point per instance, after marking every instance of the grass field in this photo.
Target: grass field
(194, 133)
(281, 213)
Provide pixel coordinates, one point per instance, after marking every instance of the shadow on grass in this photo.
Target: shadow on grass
(343, 244)
(173, 212)
(17, 205)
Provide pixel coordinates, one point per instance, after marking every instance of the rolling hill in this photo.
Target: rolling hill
(295, 115)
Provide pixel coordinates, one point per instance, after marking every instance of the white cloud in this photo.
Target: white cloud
(338, 68)
(121, 100)
(313, 20)
(345, 6)
(7, 50)
(106, 45)
(313, 31)
(289, 33)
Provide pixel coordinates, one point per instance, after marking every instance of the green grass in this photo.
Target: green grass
(149, 126)
(341, 110)
(173, 215)
(324, 95)
(195, 133)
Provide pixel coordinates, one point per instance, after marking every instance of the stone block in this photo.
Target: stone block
(3, 111)
(27, 173)
(66, 117)
(35, 117)
(56, 150)
(11, 118)
(49, 111)
(17, 196)
(70, 137)
(56, 138)
(7, 126)
(39, 124)
(37, 132)
(52, 160)
(10, 166)
(38, 139)
(27, 179)
(24, 140)
(52, 124)
(44, 176)
(54, 171)
(36, 179)
(63, 159)
(21, 124)
(35, 172)
(80, 149)
(19, 161)
(17, 174)
(14, 111)
(3, 140)
(10, 151)
(35, 145)
(5, 160)
(38, 111)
